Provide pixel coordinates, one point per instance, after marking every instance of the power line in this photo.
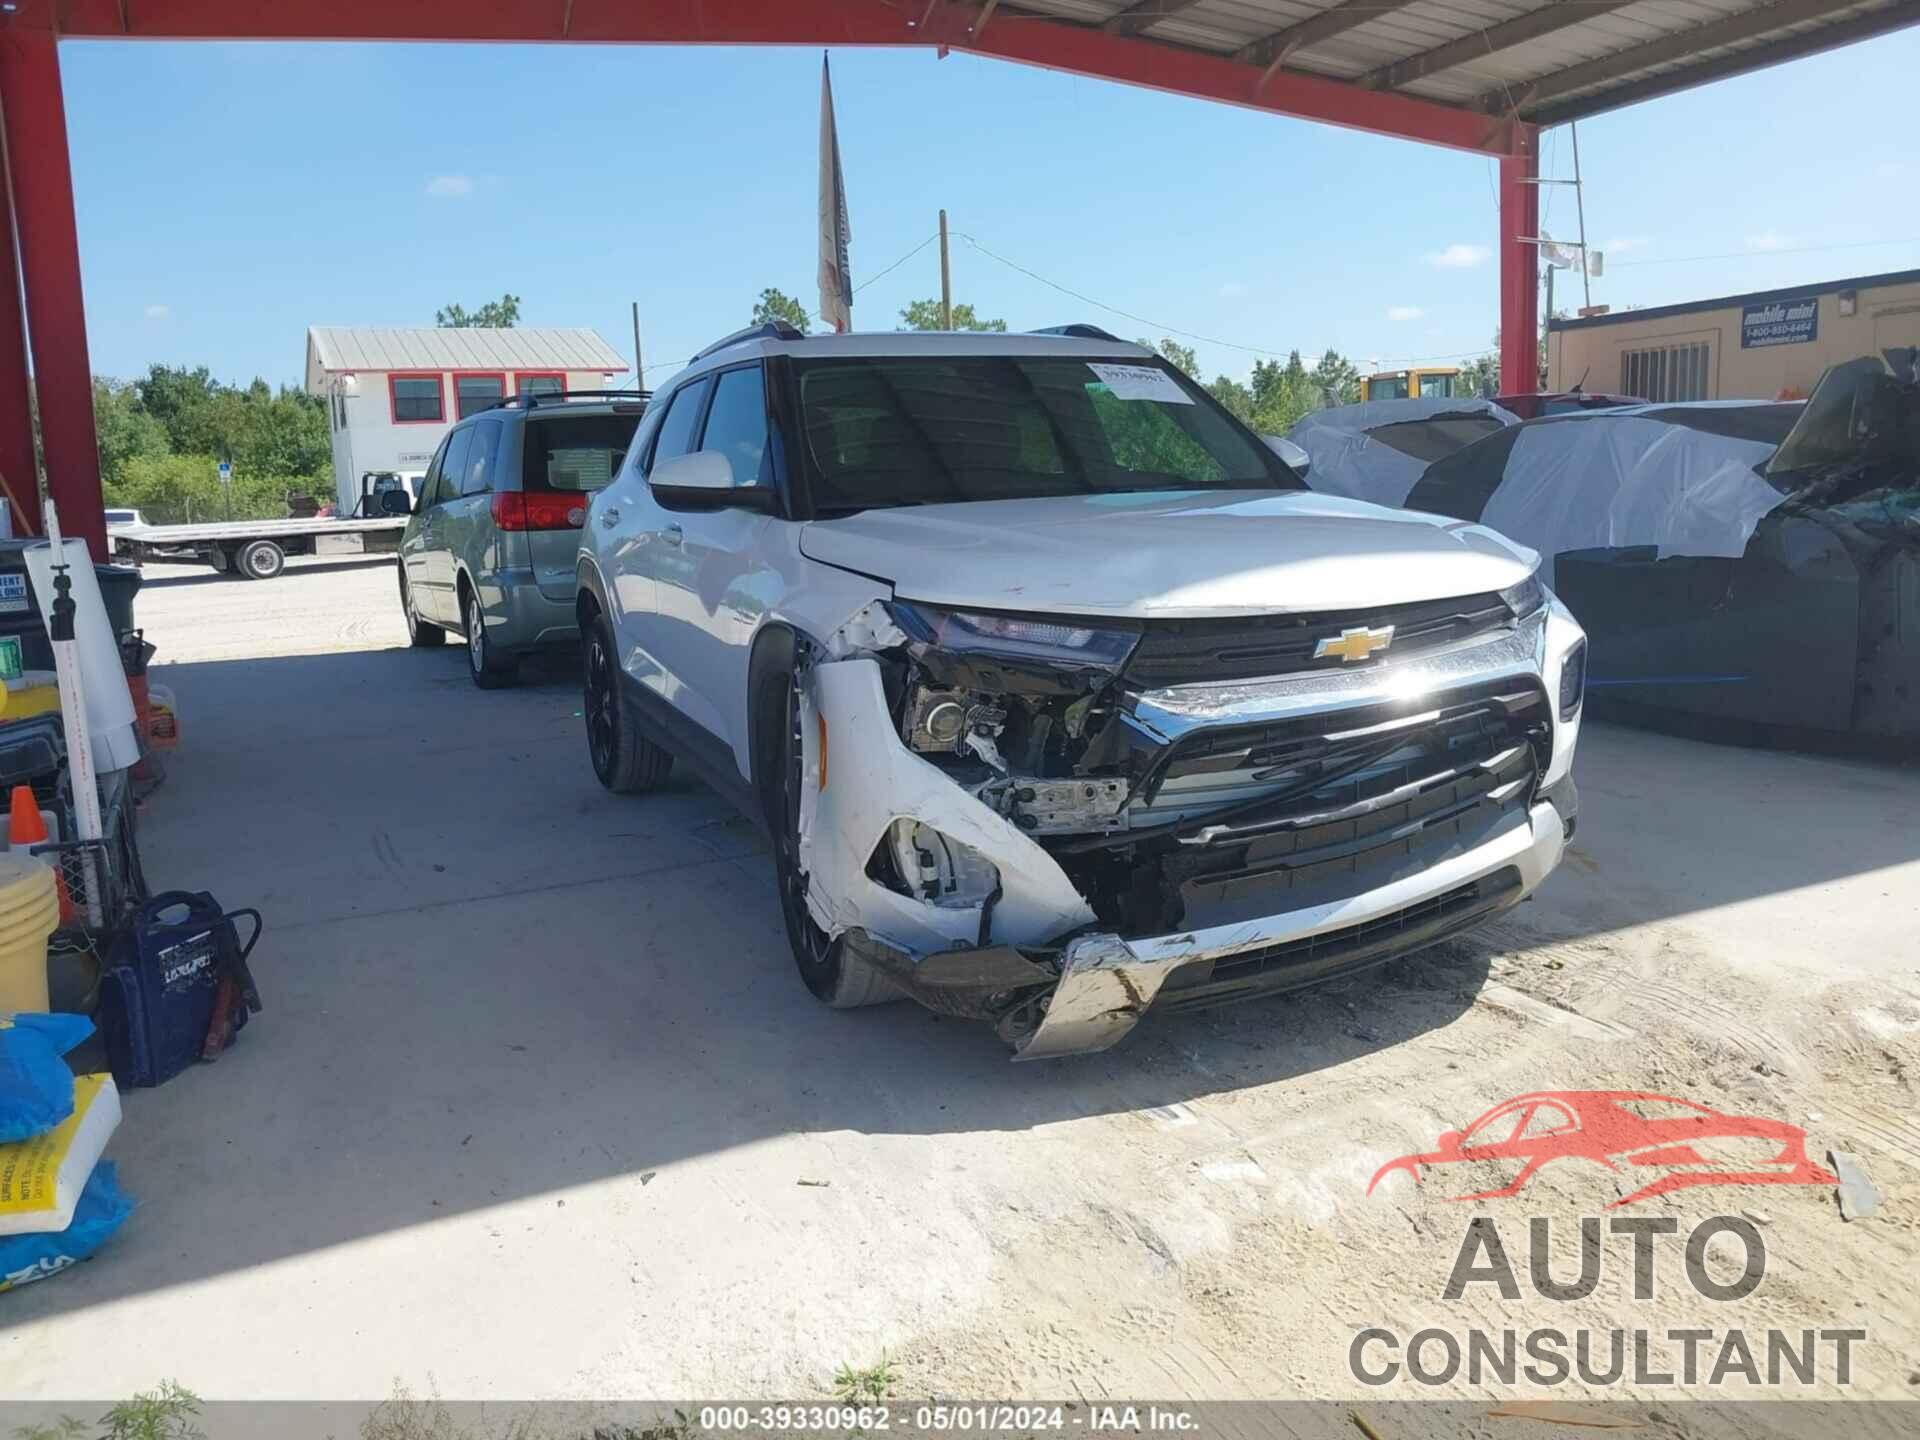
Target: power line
(1161, 325)
(815, 315)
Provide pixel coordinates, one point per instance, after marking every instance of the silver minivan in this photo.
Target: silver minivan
(489, 553)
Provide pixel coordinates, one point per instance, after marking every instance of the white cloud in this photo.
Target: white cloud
(450, 187)
(1232, 290)
(1770, 240)
(159, 312)
(1460, 257)
(1404, 312)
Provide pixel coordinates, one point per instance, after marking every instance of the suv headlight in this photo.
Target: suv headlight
(1015, 637)
(1529, 597)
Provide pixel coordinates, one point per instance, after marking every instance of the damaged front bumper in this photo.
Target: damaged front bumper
(1033, 957)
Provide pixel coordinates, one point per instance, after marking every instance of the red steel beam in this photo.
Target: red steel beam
(18, 471)
(1025, 38)
(1519, 273)
(36, 140)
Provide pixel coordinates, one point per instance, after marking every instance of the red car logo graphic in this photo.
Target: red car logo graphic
(1691, 1144)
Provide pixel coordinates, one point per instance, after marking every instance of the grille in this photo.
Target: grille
(1319, 957)
(1363, 799)
(1186, 652)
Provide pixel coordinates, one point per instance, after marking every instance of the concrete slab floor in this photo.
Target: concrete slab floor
(538, 1108)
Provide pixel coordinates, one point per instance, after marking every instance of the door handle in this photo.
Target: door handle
(609, 518)
(673, 534)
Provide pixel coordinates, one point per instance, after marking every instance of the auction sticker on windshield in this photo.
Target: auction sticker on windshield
(13, 592)
(1141, 382)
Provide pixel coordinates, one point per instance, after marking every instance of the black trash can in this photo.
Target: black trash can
(22, 613)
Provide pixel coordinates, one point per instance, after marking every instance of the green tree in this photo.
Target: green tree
(925, 315)
(1337, 379)
(123, 427)
(1237, 398)
(494, 315)
(778, 305)
(1181, 357)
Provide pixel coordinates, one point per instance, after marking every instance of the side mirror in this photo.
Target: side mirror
(395, 502)
(704, 481)
(1293, 456)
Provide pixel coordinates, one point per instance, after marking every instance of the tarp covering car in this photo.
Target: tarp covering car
(1749, 562)
(1684, 479)
(1377, 450)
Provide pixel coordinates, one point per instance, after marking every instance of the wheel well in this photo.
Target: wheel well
(585, 607)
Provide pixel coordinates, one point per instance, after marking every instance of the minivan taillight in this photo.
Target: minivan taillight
(538, 510)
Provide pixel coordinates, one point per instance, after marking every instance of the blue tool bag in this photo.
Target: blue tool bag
(178, 988)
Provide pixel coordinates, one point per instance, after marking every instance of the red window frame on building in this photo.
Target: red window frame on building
(459, 375)
(520, 377)
(393, 395)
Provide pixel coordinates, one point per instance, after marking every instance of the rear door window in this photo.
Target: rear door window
(452, 465)
(477, 478)
(737, 423)
(575, 452)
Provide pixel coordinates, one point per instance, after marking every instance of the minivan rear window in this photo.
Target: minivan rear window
(575, 452)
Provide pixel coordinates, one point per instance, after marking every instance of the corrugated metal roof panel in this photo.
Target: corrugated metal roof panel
(373, 347)
(1594, 31)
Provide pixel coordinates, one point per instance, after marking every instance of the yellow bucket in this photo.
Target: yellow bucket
(29, 913)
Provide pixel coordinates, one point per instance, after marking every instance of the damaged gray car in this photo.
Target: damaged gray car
(1060, 696)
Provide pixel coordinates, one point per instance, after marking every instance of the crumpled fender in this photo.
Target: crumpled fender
(872, 780)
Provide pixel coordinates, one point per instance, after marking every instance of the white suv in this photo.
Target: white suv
(1058, 694)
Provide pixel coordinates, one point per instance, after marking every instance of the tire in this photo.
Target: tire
(489, 668)
(836, 977)
(624, 760)
(260, 560)
(420, 634)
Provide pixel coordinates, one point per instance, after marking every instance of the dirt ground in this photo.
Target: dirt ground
(538, 1109)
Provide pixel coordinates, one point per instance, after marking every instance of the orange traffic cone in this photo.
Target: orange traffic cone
(26, 827)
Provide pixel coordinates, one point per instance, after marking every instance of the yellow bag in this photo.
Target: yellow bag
(41, 1178)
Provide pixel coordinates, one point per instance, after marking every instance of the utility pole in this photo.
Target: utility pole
(1546, 328)
(946, 278)
(639, 370)
(1580, 205)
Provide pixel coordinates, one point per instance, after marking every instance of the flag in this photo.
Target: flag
(836, 280)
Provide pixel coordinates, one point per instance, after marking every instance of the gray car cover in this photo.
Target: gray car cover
(1377, 450)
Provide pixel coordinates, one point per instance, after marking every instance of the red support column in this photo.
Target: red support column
(17, 468)
(36, 138)
(1520, 266)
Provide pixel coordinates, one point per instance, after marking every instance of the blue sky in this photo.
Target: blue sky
(231, 195)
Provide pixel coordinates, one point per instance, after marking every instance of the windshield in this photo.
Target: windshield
(891, 430)
(1840, 423)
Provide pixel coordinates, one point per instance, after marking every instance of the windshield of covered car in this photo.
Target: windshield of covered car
(927, 430)
(1852, 417)
(1437, 436)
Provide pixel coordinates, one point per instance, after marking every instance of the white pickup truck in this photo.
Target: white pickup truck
(1060, 696)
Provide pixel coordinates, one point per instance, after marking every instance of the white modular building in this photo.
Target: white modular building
(392, 393)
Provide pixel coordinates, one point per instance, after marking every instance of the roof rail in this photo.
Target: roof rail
(534, 399)
(1079, 331)
(770, 330)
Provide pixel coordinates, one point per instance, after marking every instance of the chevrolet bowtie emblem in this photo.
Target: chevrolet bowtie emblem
(1355, 644)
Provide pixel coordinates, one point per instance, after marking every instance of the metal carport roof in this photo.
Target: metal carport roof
(1539, 62)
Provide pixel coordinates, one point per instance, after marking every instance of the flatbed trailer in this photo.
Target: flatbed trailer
(256, 549)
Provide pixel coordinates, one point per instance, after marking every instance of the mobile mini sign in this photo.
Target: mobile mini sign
(1779, 322)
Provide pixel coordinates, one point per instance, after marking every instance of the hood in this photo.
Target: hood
(1169, 553)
